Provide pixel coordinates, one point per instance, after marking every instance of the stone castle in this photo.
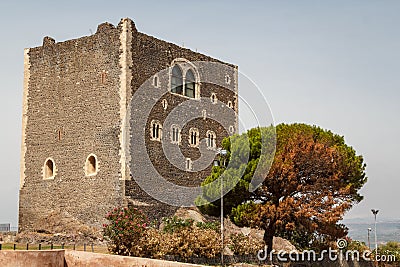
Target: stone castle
(78, 154)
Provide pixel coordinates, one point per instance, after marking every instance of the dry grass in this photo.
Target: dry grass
(20, 246)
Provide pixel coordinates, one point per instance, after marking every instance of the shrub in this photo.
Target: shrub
(192, 242)
(125, 227)
(392, 249)
(173, 224)
(216, 226)
(179, 238)
(150, 244)
(356, 245)
(244, 245)
(129, 235)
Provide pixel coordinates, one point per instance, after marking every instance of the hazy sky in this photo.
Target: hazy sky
(331, 63)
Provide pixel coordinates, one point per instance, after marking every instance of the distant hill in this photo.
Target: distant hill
(388, 229)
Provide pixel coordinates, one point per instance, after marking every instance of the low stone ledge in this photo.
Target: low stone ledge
(32, 258)
(72, 258)
(81, 259)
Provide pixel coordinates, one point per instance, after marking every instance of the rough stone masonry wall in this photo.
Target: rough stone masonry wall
(72, 105)
(150, 56)
(76, 103)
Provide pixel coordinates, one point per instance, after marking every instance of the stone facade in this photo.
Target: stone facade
(76, 154)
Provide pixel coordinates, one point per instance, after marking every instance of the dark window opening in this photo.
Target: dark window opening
(156, 81)
(175, 134)
(91, 165)
(190, 83)
(156, 130)
(176, 80)
(59, 135)
(213, 98)
(49, 169)
(193, 138)
(210, 140)
(103, 77)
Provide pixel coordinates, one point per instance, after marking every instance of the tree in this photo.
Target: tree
(313, 180)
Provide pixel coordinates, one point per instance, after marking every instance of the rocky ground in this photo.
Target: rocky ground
(57, 228)
(230, 228)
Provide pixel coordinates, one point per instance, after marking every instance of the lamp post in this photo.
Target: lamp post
(222, 153)
(375, 212)
(369, 242)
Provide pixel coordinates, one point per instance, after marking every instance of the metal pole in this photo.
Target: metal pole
(376, 242)
(222, 153)
(375, 212)
(369, 241)
(222, 222)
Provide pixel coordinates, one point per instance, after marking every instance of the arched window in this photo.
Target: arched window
(190, 83)
(231, 129)
(211, 139)
(213, 98)
(175, 134)
(193, 137)
(155, 81)
(227, 79)
(204, 114)
(230, 105)
(155, 130)
(184, 78)
(91, 165)
(177, 80)
(189, 165)
(164, 103)
(49, 169)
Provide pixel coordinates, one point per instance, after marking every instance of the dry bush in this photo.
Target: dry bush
(149, 244)
(245, 245)
(192, 242)
(185, 242)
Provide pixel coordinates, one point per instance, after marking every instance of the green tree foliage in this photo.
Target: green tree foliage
(306, 187)
(391, 251)
(173, 224)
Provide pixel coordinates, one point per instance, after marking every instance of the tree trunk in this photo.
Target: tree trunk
(269, 237)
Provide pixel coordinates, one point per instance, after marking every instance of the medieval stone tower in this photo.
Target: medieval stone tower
(76, 156)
